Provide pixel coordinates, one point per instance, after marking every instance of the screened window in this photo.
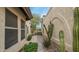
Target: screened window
(22, 29)
(11, 19)
(22, 24)
(11, 30)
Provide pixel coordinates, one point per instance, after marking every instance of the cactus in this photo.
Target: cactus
(62, 45)
(76, 30)
(49, 32)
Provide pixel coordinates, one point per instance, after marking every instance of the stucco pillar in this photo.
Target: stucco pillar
(19, 29)
(2, 29)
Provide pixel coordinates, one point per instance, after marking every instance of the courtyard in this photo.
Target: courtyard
(39, 29)
(55, 29)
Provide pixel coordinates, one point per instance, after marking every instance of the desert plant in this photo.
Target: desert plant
(29, 37)
(49, 32)
(31, 47)
(47, 43)
(38, 33)
(61, 38)
(76, 30)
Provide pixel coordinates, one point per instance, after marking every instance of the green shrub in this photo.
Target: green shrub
(29, 37)
(31, 47)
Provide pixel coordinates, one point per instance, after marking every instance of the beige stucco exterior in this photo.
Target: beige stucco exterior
(20, 43)
(62, 18)
(2, 21)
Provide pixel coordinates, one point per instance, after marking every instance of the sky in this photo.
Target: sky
(39, 10)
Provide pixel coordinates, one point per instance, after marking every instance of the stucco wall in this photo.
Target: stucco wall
(2, 24)
(62, 18)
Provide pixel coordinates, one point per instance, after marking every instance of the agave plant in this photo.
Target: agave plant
(49, 32)
(62, 45)
(76, 30)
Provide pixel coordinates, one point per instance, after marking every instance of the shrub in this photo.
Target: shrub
(31, 47)
(29, 37)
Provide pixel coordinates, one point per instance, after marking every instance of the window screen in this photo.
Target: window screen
(11, 30)
(11, 19)
(11, 36)
(22, 34)
(22, 24)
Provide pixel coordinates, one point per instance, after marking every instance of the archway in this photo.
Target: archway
(63, 25)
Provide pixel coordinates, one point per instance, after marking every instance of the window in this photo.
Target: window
(22, 29)
(26, 30)
(11, 19)
(11, 30)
